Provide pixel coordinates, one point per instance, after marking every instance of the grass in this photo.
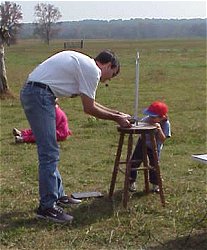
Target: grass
(173, 70)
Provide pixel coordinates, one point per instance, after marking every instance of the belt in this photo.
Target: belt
(40, 85)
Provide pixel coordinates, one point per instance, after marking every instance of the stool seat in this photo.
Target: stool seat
(141, 129)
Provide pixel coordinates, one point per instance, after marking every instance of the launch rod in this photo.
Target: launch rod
(136, 90)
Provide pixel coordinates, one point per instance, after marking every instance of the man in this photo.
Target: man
(68, 74)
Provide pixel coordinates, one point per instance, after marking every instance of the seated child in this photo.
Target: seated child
(62, 129)
(156, 115)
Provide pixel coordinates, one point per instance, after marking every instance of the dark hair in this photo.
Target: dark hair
(108, 56)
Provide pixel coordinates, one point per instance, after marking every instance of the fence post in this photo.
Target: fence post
(81, 43)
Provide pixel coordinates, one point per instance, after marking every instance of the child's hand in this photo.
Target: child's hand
(160, 133)
(158, 125)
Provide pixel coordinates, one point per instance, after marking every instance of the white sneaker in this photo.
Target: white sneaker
(16, 132)
(18, 139)
(155, 188)
(133, 186)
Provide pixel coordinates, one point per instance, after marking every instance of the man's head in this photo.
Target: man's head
(109, 65)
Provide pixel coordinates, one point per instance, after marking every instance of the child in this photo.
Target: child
(62, 129)
(156, 115)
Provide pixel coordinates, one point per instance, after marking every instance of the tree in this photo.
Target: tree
(10, 16)
(46, 15)
(4, 38)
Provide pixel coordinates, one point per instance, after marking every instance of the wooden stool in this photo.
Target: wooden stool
(142, 129)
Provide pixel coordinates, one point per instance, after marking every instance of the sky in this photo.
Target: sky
(108, 10)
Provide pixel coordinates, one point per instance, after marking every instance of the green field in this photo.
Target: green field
(170, 70)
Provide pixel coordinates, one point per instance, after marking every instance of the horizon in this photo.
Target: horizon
(119, 10)
(168, 19)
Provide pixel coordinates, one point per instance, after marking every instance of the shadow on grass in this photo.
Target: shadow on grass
(195, 241)
(17, 219)
(88, 212)
(96, 209)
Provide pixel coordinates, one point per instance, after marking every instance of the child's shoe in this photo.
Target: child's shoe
(16, 132)
(18, 139)
(155, 188)
(133, 186)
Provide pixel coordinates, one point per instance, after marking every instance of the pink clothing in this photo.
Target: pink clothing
(27, 135)
(62, 129)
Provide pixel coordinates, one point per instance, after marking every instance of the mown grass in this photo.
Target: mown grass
(173, 70)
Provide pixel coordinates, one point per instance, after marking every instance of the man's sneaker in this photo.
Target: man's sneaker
(55, 214)
(16, 132)
(133, 186)
(18, 139)
(155, 188)
(67, 201)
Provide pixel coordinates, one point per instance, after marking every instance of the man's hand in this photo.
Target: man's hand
(124, 122)
(124, 114)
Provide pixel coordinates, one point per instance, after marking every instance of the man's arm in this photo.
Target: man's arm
(111, 110)
(92, 108)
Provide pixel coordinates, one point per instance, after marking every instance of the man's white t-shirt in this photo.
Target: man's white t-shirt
(68, 73)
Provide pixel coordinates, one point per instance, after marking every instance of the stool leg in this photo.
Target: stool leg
(145, 163)
(116, 165)
(157, 168)
(127, 171)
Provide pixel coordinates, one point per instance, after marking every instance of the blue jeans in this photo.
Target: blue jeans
(39, 107)
(138, 156)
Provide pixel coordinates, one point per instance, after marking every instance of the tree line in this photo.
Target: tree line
(46, 26)
(123, 29)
